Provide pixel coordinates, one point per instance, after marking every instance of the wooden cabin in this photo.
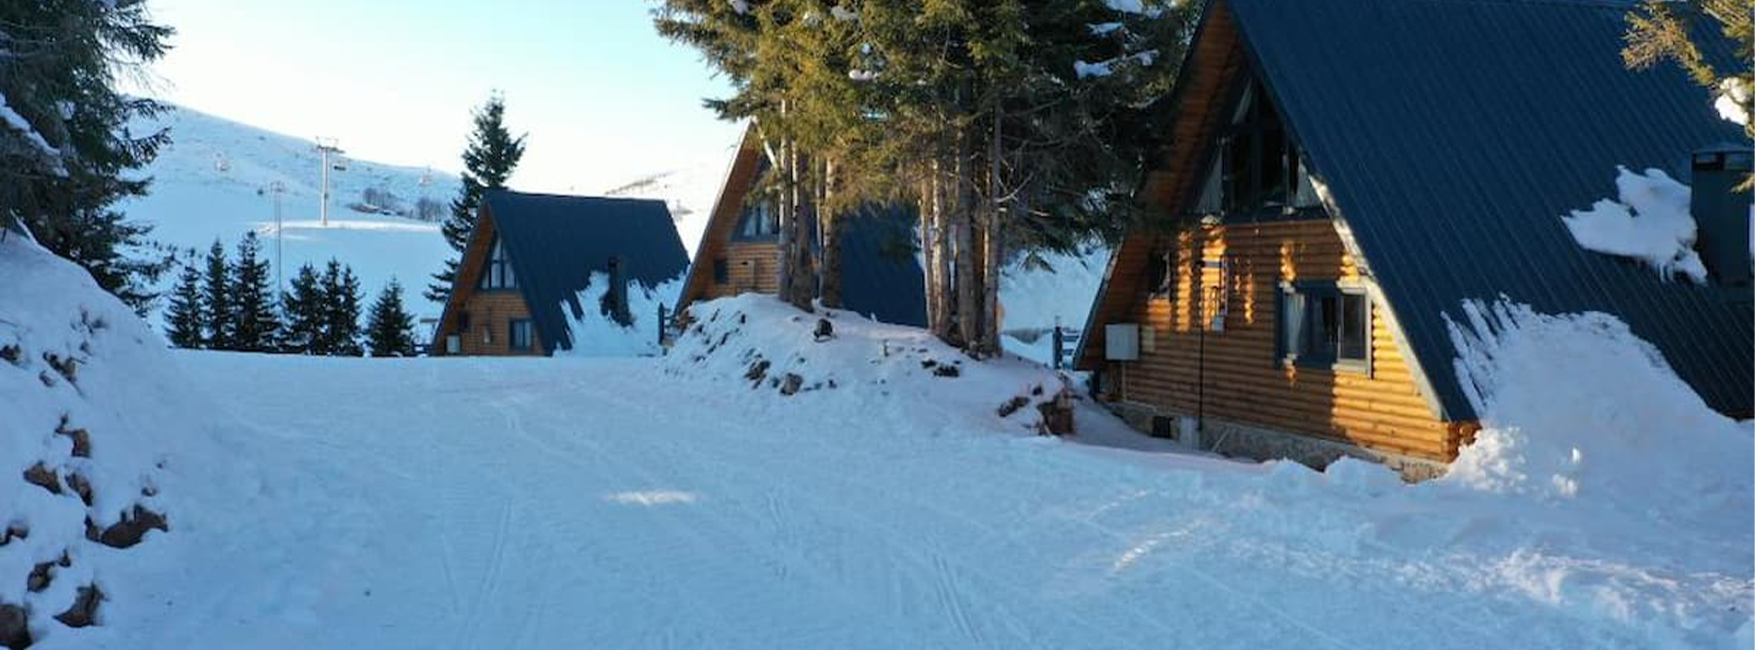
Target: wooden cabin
(1341, 176)
(531, 254)
(881, 276)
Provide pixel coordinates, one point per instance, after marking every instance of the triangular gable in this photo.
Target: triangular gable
(740, 177)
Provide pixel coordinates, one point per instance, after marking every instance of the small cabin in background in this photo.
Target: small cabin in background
(1343, 175)
(531, 254)
(881, 276)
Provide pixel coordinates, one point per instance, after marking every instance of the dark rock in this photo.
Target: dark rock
(1037, 391)
(824, 331)
(758, 370)
(15, 530)
(68, 367)
(1013, 405)
(1057, 414)
(947, 371)
(928, 364)
(791, 384)
(83, 612)
(81, 487)
(14, 627)
(81, 439)
(41, 476)
(11, 354)
(47, 378)
(130, 529)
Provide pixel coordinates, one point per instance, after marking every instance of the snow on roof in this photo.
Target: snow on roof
(1650, 223)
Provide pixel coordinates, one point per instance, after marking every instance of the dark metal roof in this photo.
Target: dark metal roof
(555, 243)
(1453, 134)
(880, 274)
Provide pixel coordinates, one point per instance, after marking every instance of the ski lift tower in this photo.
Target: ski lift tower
(278, 188)
(327, 147)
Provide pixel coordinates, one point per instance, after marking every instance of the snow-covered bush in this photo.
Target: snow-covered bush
(95, 432)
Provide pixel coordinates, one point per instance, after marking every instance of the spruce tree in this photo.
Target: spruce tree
(185, 317)
(305, 312)
(488, 161)
(390, 328)
(66, 155)
(256, 323)
(341, 290)
(217, 301)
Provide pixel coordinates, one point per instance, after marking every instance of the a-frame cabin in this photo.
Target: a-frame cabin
(531, 254)
(1343, 175)
(739, 252)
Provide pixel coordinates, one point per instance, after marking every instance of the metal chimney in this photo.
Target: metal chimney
(1721, 213)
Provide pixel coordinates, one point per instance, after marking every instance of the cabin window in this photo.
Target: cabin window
(1158, 276)
(498, 274)
(519, 335)
(721, 271)
(759, 221)
(1325, 326)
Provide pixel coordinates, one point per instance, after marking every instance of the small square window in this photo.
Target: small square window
(1325, 326)
(721, 271)
(520, 335)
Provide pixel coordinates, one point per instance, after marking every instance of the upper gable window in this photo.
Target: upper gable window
(758, 221)
(1256, 168)
(498, 274)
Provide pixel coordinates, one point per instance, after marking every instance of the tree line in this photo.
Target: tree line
(1011, 125)
(221, 304)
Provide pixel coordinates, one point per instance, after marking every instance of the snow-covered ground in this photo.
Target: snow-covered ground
(690, 501)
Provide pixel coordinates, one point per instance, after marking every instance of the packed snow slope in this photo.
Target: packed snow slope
(689, 501)
(213, 182)
(111, 464)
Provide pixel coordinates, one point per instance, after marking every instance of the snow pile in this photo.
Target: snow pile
(1733, 100)
(867, 366)
(1650, 222)
(595, 334)
(99, 442)
(1577, 407)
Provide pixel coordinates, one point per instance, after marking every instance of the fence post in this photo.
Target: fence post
(1059, 345)
(662, 324)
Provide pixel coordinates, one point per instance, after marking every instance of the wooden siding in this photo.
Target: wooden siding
(488, 313)
(1244, 380)
(750, 267)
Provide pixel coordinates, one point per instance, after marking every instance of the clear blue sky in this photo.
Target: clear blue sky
(602, 96)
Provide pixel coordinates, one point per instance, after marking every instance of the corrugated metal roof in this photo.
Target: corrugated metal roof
(1453, 134)
(880, 274)
(555, 243)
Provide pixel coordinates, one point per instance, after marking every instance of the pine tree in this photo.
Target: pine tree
(341, 311)
(390, 328)
(488, 161)
(217, 301)
(186, 316)
(64, 158)
(305, 312)
(256, 324)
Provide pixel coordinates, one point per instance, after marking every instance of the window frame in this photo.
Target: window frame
(1313, 291)
(512, 326)
(1248, 116)
(497, 260)
(769, 224)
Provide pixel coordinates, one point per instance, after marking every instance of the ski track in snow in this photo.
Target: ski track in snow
(606, 503)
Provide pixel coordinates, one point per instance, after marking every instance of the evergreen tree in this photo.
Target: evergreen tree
(390, 328)
(306, 313)
(256, 321)
(488, 161)
(341, 290)
(186, 315)
(64, 156)
(217, 301)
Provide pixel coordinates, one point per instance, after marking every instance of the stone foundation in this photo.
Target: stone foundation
(1237, 439)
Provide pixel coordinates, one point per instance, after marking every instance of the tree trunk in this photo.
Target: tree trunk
(787, 217)
(941, 248)
(803, 278)
(964, 239)
(830, 272)
(992, 253)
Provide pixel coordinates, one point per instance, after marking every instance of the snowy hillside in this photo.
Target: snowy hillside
(689, 191)
(214, 181)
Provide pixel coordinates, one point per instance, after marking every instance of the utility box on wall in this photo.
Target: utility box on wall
(1121, 342)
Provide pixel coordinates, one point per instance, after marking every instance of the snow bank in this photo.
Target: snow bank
(1650, 223)
(1056, 289)
(597, 335)
(1577, 407)
(99, 444)
(861, 367)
